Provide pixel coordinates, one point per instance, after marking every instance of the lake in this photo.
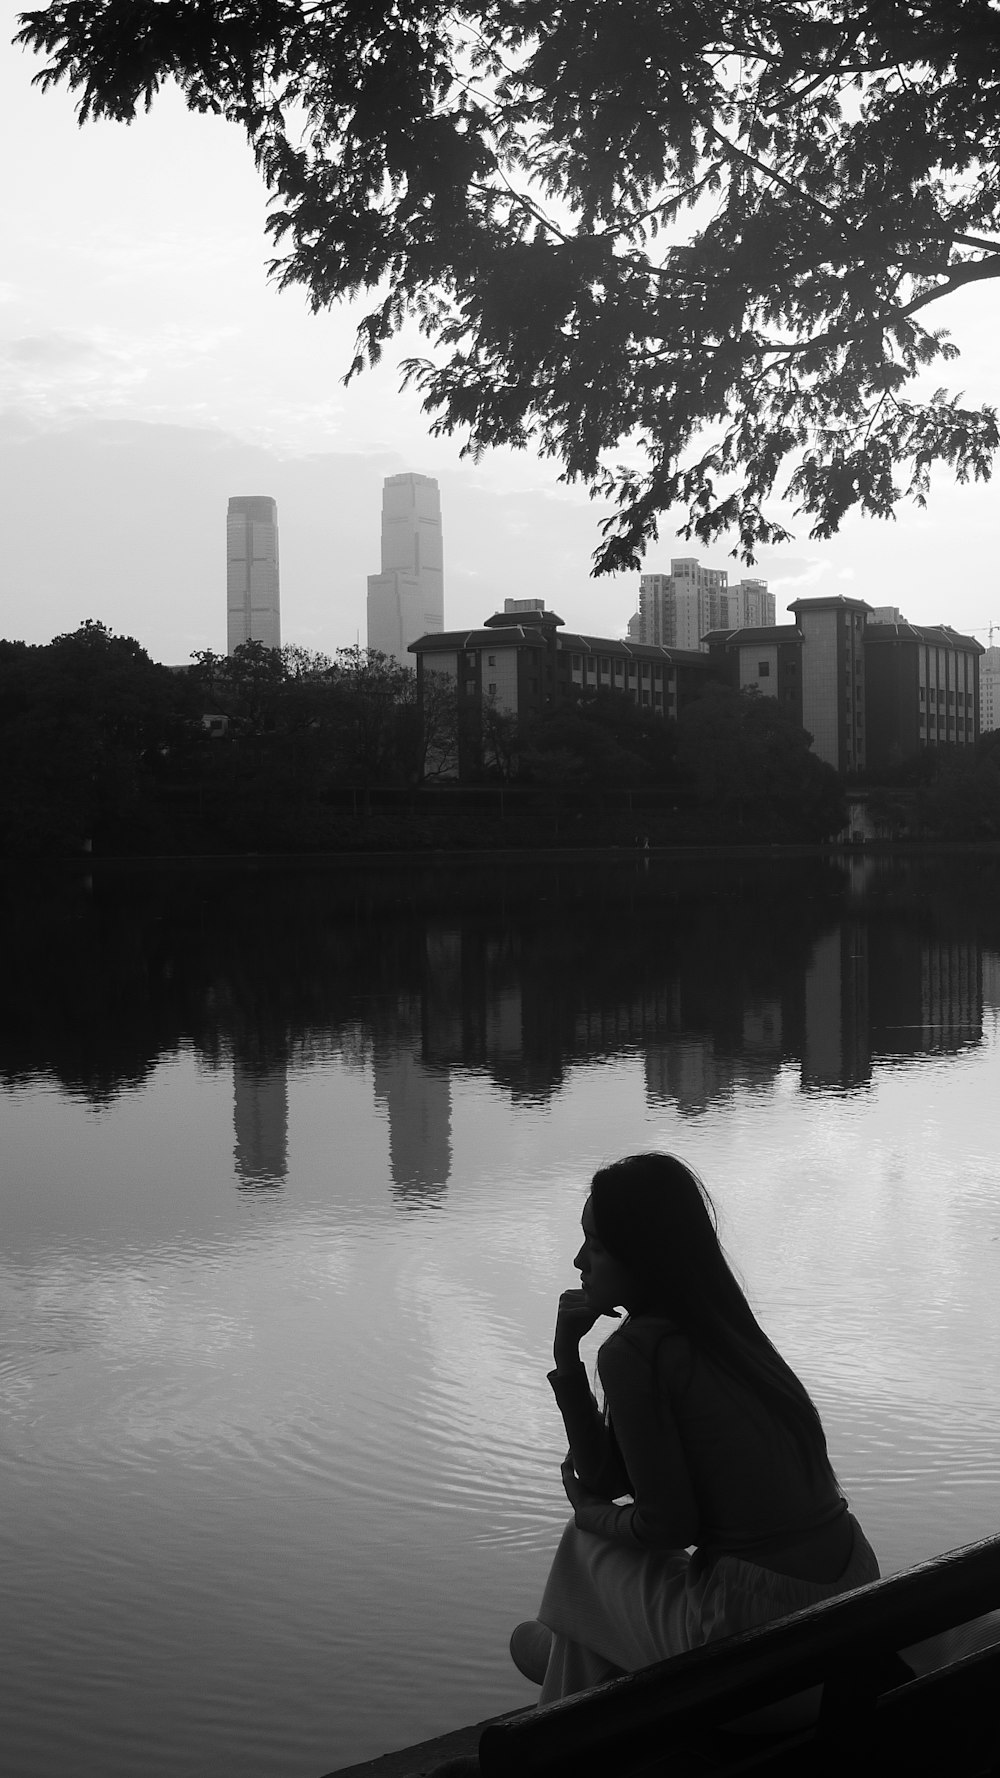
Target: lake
(293, 1159)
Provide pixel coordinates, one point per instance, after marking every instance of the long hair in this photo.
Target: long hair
(655, 1216)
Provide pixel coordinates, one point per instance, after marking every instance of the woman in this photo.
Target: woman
(734, 1515)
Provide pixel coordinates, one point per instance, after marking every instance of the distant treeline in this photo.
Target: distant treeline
(288, 751)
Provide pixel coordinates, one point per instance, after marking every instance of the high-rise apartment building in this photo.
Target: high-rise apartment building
(989, 690)
(677, 610)
(751, 606)
(406, 599)
(253, 610)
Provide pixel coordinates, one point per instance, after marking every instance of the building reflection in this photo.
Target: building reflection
(526, 1001)
(836, 1043)
(260, 1122)
(717, 978)
(525, 1013)
(417, 1102)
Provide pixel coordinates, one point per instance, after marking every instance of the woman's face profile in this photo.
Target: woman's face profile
(607, 1283)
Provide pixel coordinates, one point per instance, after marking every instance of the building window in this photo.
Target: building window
(491, 688)
(605, 663)
(470, 659)
(763, 669)
(645, 697)
(491, 660)
(619, 669)
(577, 662)
(645, 669)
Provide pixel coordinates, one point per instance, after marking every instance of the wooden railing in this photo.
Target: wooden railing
(931, 1714)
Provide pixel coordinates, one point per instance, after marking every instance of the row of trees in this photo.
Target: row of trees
(102, 745)
(265, 749)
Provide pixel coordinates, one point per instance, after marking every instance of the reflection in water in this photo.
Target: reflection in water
(260, 1122)
(720, 977)
(280, 1467)
(418, 1102)
(836, 1047)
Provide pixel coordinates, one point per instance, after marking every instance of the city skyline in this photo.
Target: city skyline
(149, 368)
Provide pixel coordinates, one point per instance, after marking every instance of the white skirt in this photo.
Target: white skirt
(614, 1608)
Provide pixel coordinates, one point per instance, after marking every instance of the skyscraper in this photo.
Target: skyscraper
(406, 599)
(252, 572)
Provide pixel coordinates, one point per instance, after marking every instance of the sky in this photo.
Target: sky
(149, 370)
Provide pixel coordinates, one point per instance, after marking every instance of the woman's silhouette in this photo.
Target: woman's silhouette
(734, 1515)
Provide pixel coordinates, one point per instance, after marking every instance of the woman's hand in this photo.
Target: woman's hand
(574, 1320)
(577, 1493)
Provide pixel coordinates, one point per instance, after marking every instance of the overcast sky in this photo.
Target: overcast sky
(149, 371)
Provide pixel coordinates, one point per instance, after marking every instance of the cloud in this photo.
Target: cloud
(791, 571)
(57, 372)
(57, 349)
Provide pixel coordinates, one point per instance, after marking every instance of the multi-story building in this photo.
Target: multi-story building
(989, 690)
(814, 667)
(252, 593)
(677, 610)
(833, 678)
(406, 599)
(769, 658)
(923, 690)
(521, 663)
(751, 606)
(870, 693)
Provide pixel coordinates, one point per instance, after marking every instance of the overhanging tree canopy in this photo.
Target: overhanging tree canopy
(709, 235)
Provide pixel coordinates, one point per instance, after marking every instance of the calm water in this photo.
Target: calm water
(292, 1167)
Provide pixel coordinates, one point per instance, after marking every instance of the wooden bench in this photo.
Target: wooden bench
(866, 1698)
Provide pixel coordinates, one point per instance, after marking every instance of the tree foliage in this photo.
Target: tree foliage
(744, 755)
(599, 739)
(86, 723)
(705, 236)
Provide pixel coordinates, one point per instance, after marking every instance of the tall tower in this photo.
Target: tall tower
(406, 599)
(252, 572)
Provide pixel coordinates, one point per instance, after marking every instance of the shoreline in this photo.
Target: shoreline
(87, 863)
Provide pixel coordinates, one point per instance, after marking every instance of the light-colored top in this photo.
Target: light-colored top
(704, 1460)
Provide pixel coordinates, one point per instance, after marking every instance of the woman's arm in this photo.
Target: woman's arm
(593, 1448)
(665, 1514)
